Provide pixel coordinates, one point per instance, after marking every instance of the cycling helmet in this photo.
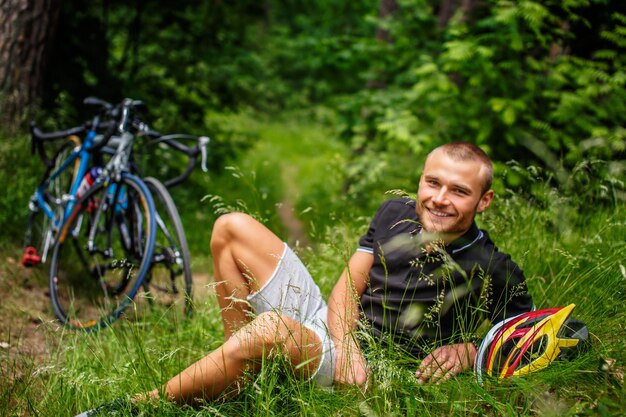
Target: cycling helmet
(529, 342)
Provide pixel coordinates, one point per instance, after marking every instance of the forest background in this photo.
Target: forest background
(316, 109)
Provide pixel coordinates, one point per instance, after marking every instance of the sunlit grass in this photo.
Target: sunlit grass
(570, 253)
(577, 267)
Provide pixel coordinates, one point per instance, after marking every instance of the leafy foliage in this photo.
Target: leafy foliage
(22, 170)
(511, 77)
(541, 83)
(580, 262)
(188, 59)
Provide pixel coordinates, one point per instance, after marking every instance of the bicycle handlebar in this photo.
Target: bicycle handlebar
(95, 101)
(39, 137)
(121, 118)
(172, 141)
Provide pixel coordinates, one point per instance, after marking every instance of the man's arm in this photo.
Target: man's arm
(343, 313)
(509, 298)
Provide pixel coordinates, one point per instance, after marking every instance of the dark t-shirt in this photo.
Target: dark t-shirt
(420, 298)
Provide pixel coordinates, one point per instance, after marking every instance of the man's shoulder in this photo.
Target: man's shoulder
(398, 204)
(393, 211)
(488, 244)
(488, 253)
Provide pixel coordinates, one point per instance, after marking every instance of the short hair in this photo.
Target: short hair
(465, 151)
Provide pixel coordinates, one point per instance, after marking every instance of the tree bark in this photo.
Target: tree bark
(385, 10)
(27, 30)
(447, 9)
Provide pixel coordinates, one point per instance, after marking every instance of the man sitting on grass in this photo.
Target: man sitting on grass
(424, 277)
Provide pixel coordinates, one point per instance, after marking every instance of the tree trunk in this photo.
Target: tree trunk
(447, 9)
(27, 28)
(385, 10)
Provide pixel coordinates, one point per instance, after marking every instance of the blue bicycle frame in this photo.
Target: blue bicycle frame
(84, 154)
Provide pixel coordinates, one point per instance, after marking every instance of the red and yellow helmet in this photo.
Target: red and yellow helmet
(529, 342)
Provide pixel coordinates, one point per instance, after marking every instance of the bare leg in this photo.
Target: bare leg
(267, 334)
(245, 255)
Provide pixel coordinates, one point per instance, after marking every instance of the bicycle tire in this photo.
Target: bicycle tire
(169, 280)
(102, 253)
(40, 232)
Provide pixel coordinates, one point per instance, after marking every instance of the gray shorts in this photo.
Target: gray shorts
(292, 291)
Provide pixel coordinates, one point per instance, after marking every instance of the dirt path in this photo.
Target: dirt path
(24, 315)
(295, 230)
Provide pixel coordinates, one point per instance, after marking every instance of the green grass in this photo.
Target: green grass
(569, 252)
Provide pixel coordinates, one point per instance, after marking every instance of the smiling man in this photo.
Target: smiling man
(423, 278)
(454, 186)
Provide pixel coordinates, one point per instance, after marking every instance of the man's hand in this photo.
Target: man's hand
(350, 366)
(445, 362)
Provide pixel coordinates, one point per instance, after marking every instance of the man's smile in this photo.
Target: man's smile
(438, 213)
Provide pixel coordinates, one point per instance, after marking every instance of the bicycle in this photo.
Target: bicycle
(103, 248)
(57, 191)
(169, 267)
(169, 279)
(170, 273)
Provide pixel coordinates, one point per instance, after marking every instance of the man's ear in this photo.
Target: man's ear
(485, 201)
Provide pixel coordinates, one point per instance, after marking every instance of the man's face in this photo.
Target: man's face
(450, 195)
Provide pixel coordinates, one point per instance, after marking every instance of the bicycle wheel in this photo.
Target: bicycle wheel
(40, 230)
(169, 280)
(102, 253)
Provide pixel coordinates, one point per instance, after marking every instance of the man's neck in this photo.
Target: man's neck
(432, 240)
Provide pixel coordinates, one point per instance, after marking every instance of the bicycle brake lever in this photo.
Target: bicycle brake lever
(203, 141)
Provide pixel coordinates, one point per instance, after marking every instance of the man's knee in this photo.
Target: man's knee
(271, 334)
(267, 333)
(227, 228)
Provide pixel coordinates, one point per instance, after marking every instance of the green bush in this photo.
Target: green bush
(509, 78)
(20, 172)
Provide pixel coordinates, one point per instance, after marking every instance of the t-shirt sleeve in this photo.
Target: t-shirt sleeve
(366, 242)
(510, 295)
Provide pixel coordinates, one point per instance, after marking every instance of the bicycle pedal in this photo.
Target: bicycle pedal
(30, 257)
